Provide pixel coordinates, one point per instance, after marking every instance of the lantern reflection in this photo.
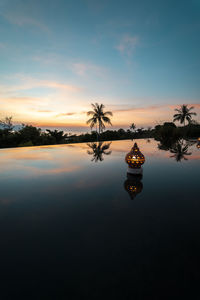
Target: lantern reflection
(133, 185)
(198, 143)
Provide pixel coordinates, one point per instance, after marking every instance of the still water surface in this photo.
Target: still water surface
(66, 213)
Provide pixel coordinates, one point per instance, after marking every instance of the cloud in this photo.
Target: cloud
(2, 46)
(196, 105)
(136, 109)
(127, 108)
(44, 111)
(23, 100)
(66, 114)
(83, 69)
(27, 83)
(57, 85)
(150, 115)
(48, 58)
(19, 19)
(127, 44)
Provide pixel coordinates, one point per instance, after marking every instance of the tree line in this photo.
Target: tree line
(29, 135)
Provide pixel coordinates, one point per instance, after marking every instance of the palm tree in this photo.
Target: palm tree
(59, 136)
(132, 126)
(179, 150)
(98, 150)
(184, 113)
(99, 117)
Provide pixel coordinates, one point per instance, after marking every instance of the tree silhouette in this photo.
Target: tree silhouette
(132, 127)
(99, 117)
(98, 150)
(59, 136)
(7, 124)
(184, 113)
(180, 150)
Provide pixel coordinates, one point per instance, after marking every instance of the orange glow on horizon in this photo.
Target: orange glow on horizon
(45, 113)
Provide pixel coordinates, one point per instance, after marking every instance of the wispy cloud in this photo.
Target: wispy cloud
(48, 58)
(23, 100)
(26, 83)
(83, 69)
(196, 105)
(155, 107)
(19, 19)
(57, 85)
(2, 46)
(65, 114)
(127, 44)
(44, 111)
(139, 108)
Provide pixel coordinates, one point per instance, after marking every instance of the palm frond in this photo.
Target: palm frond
(91, 112)
(192, 107)
(108, 113)
(178, 110)
(107, 120)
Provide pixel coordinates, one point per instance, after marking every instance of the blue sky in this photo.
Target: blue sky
(140, 58)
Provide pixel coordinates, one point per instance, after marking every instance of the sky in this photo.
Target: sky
(139, 58)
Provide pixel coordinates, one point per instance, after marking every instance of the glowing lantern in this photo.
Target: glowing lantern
(135, 158)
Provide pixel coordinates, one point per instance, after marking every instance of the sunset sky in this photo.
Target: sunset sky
(139, 58)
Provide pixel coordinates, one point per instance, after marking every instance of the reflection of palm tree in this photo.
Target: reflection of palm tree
(99, 150)
(180, 149)
(184, 114)
(99, 117)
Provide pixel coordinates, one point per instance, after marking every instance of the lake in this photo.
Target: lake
(71, 223)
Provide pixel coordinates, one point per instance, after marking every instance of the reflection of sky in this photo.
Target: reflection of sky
(46, 160)
(54, 168)
(63, 215)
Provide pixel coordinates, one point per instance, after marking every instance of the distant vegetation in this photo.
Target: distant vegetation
(167, 134)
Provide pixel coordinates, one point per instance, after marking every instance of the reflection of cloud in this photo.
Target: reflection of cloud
(7, 201)
(85, 183)
(195, 157)
(26, 154)
(38, 161)
(127, 44)
(38, 171)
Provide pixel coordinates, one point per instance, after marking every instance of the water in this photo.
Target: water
(70, 228)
